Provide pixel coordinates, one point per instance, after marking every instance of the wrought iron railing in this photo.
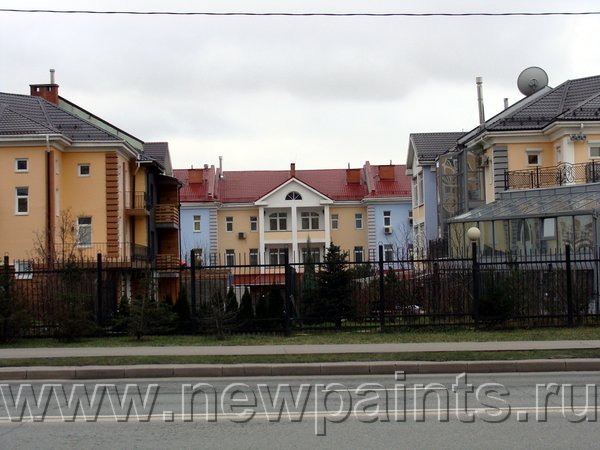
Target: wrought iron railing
(563, 173)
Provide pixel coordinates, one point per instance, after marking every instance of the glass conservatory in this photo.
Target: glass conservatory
(534, 223)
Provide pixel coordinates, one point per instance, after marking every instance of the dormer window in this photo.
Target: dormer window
(293, 196)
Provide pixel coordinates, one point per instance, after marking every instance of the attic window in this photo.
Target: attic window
(293, 196)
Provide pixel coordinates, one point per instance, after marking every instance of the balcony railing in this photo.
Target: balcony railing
(564, 173)
(121, 251)
(165, 214)
(137, 203)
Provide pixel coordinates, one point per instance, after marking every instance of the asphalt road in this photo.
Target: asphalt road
(541, 410)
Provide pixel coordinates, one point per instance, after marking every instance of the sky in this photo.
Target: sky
(263, 92)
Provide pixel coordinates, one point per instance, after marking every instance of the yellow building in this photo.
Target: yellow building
(528, 177)
(75, 185)
(260, 217)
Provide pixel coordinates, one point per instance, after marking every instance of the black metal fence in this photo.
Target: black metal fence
(502, 291)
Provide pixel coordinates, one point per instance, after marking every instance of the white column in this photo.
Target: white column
(327, 220)
(261, 235)
(568, 150)
(294, 219)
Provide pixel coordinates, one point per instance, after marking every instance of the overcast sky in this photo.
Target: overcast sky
(266, 91)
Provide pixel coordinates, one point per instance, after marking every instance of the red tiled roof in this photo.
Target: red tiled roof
(250, 185)
(193, 192)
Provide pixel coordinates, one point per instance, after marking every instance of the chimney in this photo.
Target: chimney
(293, 170)
(46, 91)
(479, 82)
(221, 167)
(387, 173)
(195, 176)
(353, 176)
(505, 102)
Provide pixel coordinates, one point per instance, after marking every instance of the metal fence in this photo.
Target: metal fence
(563, 173)
(335, 294)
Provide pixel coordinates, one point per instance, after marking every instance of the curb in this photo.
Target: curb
(305, 369)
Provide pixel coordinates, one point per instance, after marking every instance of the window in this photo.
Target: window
(21, 165)
(358, 221)
(358, 254)
(309, 220)
(253, 223)
(197, 224)
(278, 221)
(549, 228)
(293, 196)
(277, 255)
(420, 188)
(228, 223)
(57, 202)
(22, 201)
(387, 218)
(388, 252)
(83, 170)
(534, 157)
(335, 221)
(84, 231)
(229, 257)
(254, 257)
(23, 270)
(594, 149)
(315, 255)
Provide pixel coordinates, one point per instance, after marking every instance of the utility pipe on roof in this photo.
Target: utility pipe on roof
(479, 81)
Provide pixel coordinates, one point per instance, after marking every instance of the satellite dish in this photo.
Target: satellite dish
(532, 80)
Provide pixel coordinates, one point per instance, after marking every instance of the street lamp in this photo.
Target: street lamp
(474, 234)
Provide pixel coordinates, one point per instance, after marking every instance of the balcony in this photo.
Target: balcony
(111, 251)
(136, 204)
(560, 175)
(166, 216)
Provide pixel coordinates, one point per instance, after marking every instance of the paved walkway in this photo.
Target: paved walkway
(227, 350)
(293, 369)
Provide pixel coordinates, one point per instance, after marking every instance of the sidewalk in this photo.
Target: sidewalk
(227, 350)
(294, 369)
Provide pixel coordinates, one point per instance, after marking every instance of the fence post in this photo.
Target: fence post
(5, 269)
(288, 294)
(193, 282)
(381, 291)
(569, 286)
(475, 283)
(100, 289)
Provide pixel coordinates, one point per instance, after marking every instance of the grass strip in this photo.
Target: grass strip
(312, 358)
(341, 337)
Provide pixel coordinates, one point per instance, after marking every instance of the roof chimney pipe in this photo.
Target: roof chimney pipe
(52, 76)
(479, 81)
(220, 167)
(505, 102)
(48, 92)
(293, 170)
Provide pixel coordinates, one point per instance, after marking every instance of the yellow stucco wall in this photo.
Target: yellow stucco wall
(85, 196)
(517, 155)
(347, 236)
(17, 231)
(241, 224)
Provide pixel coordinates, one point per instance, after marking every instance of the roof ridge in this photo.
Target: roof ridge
(579, 105)
(31, 119)
(47, 104)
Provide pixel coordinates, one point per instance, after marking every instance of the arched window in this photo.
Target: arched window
(293, 196)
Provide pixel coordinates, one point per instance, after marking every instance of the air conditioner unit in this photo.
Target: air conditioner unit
(387, 230)
(241, 235)
(483, 161)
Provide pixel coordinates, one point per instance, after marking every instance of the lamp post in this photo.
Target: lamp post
(474, 234)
